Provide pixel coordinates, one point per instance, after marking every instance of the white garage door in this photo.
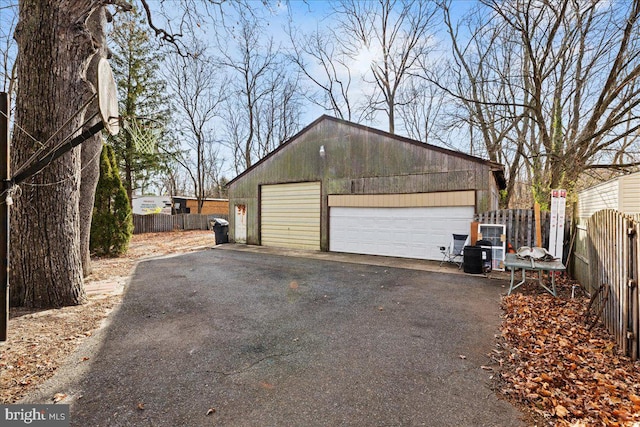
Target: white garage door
(290, 215)
(407, 232)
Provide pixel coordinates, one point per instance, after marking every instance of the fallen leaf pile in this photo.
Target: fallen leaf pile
(40, 341)
(567, 375)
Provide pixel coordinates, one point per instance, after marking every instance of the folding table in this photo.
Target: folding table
(513, 263)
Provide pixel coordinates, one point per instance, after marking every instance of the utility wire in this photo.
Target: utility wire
(69, 178)
(34, 139)
(43, 147)
(15, 191)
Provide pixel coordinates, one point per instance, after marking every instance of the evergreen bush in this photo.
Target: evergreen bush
(112, 222)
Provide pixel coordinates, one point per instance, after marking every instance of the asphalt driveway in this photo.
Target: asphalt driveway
(224, 337)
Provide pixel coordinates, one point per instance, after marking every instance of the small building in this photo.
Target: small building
(185, 205)
(621, 194)
(343, 187)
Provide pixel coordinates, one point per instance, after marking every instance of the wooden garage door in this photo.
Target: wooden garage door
(290, 215)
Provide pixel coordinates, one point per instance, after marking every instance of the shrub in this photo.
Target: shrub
(112, 221)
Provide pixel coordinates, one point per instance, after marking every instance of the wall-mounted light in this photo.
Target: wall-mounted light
(322, 153)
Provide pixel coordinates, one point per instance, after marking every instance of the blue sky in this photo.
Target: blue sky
(307, 16)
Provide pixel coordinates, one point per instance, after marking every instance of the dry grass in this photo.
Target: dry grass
(41, 340)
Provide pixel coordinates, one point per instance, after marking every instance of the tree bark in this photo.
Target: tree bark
(55, 47)
(90, 157)
(91, 149)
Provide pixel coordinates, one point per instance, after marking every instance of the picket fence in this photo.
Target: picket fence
(520, 225)
(607, 255)
(157, 223)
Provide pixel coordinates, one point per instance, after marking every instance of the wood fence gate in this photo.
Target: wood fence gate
(610, 257)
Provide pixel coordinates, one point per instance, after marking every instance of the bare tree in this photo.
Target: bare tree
(483, 80)
(175, 23)
(59, 44)
(197, 93)
(215, 182)
(277, 115)
(421, 108)
(263, 106)
(564, 73)
(395, 34)
(320, 59)
(91, 149)
(175, 181)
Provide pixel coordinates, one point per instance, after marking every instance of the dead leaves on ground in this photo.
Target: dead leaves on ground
(570, 376)
(39, 341)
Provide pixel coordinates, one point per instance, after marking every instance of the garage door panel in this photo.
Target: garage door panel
(290, 229)
(293, 220)
(290, 215)
(402, 232)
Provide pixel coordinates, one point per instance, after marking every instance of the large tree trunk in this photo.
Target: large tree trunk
(91, 149)
(54, 46)
(90, 159)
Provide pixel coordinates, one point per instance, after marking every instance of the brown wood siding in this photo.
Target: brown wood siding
(360, 161)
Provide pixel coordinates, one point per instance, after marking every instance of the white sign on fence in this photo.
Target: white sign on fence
(147, 205)
(556, 222)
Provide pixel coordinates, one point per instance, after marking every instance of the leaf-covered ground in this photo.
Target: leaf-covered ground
(39, 341)
(565, 374)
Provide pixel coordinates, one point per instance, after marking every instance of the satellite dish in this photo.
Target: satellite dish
(108, 97)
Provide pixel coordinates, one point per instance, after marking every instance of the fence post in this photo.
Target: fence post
(5, 176)
(632, 284)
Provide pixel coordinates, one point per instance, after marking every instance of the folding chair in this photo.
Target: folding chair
(454, 252)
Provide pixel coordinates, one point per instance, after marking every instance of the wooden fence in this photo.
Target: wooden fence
(156, 223)
(520, 225)
(606, 251)
(607, 254)
(578, 263)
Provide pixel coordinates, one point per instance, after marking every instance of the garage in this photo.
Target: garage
(290, 215)
(410, 228)
(344, 187)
